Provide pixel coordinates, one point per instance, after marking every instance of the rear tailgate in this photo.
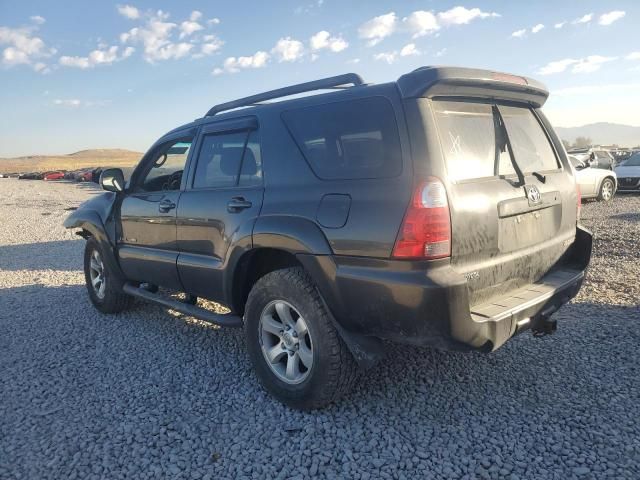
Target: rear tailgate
(508, 230)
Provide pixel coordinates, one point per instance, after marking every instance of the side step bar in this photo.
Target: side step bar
(224, 320)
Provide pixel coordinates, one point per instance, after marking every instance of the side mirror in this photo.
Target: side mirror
(112, 180)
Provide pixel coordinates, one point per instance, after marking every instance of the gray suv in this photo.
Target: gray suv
(436, 210)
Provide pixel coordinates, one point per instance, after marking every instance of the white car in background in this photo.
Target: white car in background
(629, 174)
(594, 182)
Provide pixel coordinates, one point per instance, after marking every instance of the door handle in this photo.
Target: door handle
(165, 205)
(237, 204)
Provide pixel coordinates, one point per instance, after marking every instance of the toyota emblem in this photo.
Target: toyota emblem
(533, 194)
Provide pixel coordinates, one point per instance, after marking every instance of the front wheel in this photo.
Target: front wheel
(103, 292)
(295, 349)
(606, 190)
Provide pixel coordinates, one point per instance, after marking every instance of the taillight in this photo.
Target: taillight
(426, 229)
(578, 202)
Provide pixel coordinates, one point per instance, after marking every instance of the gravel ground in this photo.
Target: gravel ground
(151, 394)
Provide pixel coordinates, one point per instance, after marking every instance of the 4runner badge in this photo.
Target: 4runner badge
(533, 194)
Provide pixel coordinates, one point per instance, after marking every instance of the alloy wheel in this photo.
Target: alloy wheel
(285, 341)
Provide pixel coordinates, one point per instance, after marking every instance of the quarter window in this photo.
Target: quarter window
(353, 139)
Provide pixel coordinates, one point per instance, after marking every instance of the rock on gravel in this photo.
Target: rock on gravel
(153, 394)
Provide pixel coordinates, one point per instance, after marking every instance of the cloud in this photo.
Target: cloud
(409, 49)
(191, 26)
(378, 28)
(557, 66)
(421, 23)
(128, 11)
(537, 28)
(591, 63)
(100, 56)
(37, 19)
(610, 17)
(210, 45)
(324, 40)
(76, 103)
(584, 19)
(633, 56)
(235, 64)
(24, 48)
(519, 33)
(462, 15)
(559, 25)
(213, 21)
(588, 64)
(156, 37)
(288, 50)
(388, 57)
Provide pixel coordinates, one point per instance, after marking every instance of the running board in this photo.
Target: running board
(224, 320)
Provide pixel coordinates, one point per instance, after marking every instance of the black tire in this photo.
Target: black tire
(602, 195)
(333, 371)
(112, 299)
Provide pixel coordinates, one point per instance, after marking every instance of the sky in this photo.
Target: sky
(76, 74)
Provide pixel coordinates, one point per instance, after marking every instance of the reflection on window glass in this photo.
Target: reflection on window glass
(531, 147)
(219, 160)
(167, 168)
(470, 145)
(251, 173)
(348, 140)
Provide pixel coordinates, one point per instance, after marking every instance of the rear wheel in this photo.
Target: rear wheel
(293, 345)
(103, 292)
(606, 190)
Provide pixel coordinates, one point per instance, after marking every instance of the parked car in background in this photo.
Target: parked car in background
(594, 157)
(53, 176)
(30, 176)
(629, 174)
(594, 182)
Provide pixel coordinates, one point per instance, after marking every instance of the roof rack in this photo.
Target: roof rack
(322, 84)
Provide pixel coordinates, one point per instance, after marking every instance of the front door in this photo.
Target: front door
(219, 206)
(148, 249)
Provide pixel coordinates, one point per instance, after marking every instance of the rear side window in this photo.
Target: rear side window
(355, 139)
(530, 144)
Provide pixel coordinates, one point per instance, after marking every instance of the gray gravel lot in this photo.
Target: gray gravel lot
(152, 394)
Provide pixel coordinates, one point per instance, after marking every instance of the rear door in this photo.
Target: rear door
(219, 205)
(512, 203)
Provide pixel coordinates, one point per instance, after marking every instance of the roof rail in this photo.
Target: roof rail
(322, 84)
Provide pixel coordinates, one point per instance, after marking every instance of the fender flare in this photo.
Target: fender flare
(90, 220)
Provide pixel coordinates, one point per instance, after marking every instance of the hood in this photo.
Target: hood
(623, 171)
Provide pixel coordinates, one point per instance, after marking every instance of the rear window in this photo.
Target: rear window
(355, 139)
(474, 140)
(530, 144)
(472, 146)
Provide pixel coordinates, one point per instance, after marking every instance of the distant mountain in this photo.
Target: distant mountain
(603, 134)
(103, 157)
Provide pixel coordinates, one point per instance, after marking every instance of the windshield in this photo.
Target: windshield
(633, 161)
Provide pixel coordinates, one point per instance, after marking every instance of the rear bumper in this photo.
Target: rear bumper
(407, 303)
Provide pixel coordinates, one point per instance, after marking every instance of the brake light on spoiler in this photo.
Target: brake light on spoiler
(505, 77)
(426, 228)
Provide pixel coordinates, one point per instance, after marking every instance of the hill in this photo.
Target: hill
(112, 157)
(603, 133)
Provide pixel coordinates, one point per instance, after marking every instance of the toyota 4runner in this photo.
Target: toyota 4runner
(437, 210)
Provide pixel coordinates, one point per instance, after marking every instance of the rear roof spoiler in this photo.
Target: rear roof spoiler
(433, 82)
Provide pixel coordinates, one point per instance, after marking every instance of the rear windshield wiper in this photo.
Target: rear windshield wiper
(502, 141)
(540, 176)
